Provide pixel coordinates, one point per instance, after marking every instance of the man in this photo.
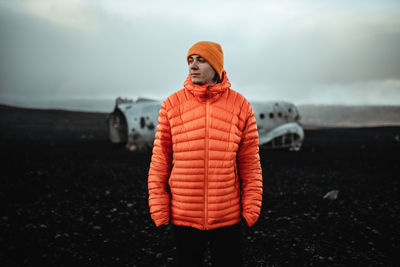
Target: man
(205, 173)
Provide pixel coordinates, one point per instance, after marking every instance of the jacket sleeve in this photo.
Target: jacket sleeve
(159, 171)
(250, 171)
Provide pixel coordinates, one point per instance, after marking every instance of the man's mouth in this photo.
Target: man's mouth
(195, 74)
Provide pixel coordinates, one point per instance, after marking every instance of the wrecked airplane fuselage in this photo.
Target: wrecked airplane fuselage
(134, 123)
(278, 124)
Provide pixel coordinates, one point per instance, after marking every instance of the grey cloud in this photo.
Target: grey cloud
(318, 56)
(119, 59)
(146, 57)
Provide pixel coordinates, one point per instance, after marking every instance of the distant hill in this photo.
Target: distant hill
(312, 116)
(348, 116)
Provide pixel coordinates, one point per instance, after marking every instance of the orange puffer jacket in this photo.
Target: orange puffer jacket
(205, 168)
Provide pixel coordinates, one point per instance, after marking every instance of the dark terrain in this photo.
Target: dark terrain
(71, 198)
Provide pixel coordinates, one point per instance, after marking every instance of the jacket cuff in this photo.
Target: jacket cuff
(161, 221)
(250, 218)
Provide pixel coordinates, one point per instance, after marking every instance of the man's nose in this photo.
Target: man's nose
(194, 65)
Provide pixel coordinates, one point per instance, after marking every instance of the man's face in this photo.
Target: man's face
(200, 71)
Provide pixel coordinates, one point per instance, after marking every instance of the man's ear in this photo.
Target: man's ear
(216, 77)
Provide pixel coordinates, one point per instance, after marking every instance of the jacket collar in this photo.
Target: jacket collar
(207, 92)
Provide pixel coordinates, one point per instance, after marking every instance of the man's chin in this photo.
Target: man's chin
(197, 81)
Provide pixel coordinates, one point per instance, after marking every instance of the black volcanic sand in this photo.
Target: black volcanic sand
(70, 197)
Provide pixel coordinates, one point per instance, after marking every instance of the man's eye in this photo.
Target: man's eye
(201, 60)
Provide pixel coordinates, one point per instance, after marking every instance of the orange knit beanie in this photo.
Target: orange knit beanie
(212, 52)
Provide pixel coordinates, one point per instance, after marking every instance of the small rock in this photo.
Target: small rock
(376, 232)
(331, 195)
(57, 236)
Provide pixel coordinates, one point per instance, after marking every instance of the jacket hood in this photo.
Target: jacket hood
(208, 91)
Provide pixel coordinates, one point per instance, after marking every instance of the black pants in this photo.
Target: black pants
(225, 245)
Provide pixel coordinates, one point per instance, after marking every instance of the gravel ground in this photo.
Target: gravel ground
(69, 197)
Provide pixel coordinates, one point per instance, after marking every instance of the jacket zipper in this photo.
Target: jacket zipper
(206, 168)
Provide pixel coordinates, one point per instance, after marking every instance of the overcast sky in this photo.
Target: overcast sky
(319, 52)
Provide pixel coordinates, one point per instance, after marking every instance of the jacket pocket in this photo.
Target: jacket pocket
(171, 174)
(236, 184)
